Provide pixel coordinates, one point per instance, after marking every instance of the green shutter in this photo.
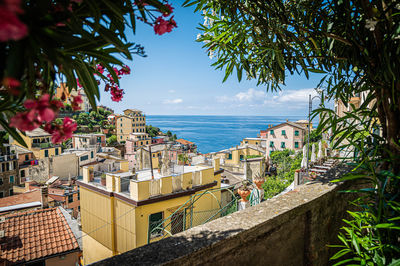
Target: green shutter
(282, 144)
(296, 133)
(46, 153)
(283, 133)
(271, 144)
(272, 132)
(296, 144)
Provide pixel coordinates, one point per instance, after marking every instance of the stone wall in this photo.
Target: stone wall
(293, 229)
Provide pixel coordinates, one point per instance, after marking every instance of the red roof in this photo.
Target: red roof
(35, 234)
(27, 197)
(184, 142)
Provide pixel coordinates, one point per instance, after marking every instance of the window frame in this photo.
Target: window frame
(155, 222)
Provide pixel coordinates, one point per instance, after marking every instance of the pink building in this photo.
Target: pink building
(288, 135)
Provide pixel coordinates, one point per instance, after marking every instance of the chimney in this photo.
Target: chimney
(45, 197)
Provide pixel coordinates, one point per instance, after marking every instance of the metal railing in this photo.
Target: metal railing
(189, 215)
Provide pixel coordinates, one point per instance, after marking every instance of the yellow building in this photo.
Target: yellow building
(132, 121)
(39, 142)
(123, 214)
(252, 141)
(233, 156)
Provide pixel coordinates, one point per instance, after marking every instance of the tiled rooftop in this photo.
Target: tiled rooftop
(27, 197)
(184, 141)
(35, 234)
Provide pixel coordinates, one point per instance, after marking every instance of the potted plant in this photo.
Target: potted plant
(103, 179)
(244, 190)
(159, 165)
(259, 180)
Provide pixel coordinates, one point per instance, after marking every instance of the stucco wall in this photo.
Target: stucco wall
(293, 229)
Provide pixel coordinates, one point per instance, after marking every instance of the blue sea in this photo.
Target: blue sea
(215, 133)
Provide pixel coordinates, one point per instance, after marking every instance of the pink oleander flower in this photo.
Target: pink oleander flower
(38, 111)
(170, 10)
(160, 26)
(11, 28)
(125, 70)
(77, 83)
(100, 68)
(171, 24)
(12, 85)
(23, 121)
(62, 132)
(76, 101)
(116, 94)
(41, 108)
(13, 6)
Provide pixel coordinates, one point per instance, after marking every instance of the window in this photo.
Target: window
(1, 194)
(271, 144)
(246, 141)
(296, 133)
(91, 154)
(70, 198)
(241, 156)
(154, 155)
(1, 181)
(79, 195)
(26, 157)
(84, 158)
(121, 137)
(121, 125)
(283, 133)
(230, 156)
(296, 145)
(154, 222)
(11, 192)
(56, 151)
(98, 139)
(3, 167)
(22, 173)
(11, 179)
(121, 130)
(283, 145)
(46, 153)
(271, 132)
(141, 143)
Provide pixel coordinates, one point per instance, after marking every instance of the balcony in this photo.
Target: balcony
(292, 229)
(42, 145)
(6, 158)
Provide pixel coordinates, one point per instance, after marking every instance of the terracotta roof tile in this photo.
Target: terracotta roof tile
(184, 141)
(35, 234)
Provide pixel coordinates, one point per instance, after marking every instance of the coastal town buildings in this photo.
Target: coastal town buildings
(253, 141)
(39, 142)
(123, 213)
(186, 146)
(288, 135)
(8, 170)
(83, 141)
(132, 121)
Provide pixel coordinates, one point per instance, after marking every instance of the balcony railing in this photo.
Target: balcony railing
(6, 158)
(42, 145)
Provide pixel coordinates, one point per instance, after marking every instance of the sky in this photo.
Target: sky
(176, 78)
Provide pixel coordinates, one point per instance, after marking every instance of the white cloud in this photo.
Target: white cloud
(172, 101)
(294, 96)
(171, 91)
(289, 99)
(250, 95)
